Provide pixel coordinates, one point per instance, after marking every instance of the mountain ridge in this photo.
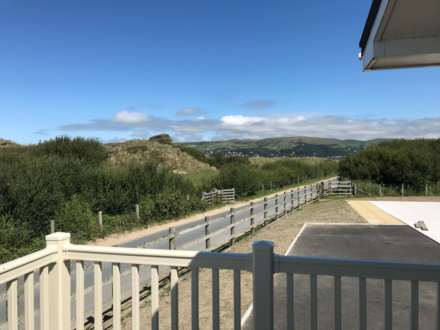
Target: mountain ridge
(295, 146)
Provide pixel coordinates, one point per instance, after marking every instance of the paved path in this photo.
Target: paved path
(358, 241)
(372, 214)
(121, 238)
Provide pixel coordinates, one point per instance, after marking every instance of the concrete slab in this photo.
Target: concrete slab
(372, 242)
(373, 214)
(412, 212)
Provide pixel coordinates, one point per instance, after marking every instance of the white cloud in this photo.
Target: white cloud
(130, 117)
(240, 126)
(239, 120)
(190, 111)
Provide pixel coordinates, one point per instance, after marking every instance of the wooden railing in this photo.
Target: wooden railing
(207, 234)
(56, 282)
(222, 195)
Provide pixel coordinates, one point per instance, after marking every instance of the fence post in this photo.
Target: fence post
(426, 189)
(171, 238)
(292, 205)
(138, 215)
(262, 252)
(100, 220)
(251, 216)
(380, 189)
(207, 232)
(265, 209)
(58, 290)
(284, 202)
(52, 226)
(299, 198)
(403, 190)
(276, 206)
(232, 226)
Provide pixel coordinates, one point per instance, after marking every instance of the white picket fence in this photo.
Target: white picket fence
(56, 293)
(207, 234)
(339, 187)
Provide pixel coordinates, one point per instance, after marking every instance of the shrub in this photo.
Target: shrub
(77, 218)
(146, 208)
(413, 162)
(240, 176)
(90, 150)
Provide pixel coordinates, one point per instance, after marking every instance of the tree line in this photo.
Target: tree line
(69, 180)
(414, 163)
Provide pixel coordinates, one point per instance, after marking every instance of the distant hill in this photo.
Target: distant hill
(283, 146)
(159, 149)
(164, 153)
(7, 143)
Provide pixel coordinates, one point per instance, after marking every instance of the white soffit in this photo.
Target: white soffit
(402, 33)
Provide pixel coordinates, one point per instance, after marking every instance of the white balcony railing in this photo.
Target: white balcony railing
(55, 283)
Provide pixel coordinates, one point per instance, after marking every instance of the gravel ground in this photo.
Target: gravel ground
(281, 232)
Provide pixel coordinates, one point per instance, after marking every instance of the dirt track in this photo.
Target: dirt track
(119, 238)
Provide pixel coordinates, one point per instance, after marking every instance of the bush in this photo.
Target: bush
(146, 209)
(412, 162)
(240, 176)
(90, 150)
(170, 204)
(16, 239)
(77, 218)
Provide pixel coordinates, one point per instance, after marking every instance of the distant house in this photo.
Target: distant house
(401, 33)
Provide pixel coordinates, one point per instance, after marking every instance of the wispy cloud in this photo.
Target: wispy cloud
(190, 111)
(130, 117)
(259, 104)
(242, 126)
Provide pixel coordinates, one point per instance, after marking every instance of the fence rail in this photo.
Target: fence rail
(207, 234)
(224, 195)
(57, 284)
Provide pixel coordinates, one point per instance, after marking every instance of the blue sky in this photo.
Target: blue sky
(201, 70)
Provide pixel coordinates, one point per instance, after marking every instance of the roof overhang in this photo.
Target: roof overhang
(401, 33)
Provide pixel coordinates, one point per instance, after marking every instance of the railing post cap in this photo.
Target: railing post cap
(262, 245)
(57, 237)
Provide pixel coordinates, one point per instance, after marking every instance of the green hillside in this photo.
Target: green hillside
(284, 146)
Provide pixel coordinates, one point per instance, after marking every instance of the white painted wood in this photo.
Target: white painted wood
(338, 303)
(174, 299)
(215, 299)
(116, 296)
(155, 297)
(388, 304)
(12, 305)
(195, 299)
(29, 314)
(135, 302)
(313, 302)
(290, 301)
(237, 300)
(97, 282)
(59, 283)
(44, 298)
(414, 305)
(362, 303)
(79, 295)
(19, 267)
(262, 252)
